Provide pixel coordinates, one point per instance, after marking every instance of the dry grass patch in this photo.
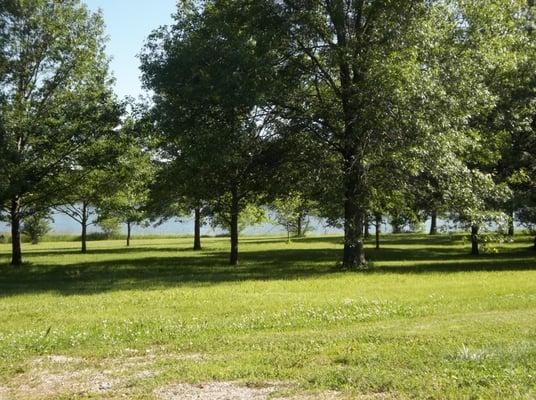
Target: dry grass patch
(237, 391)
(54, 376)
(45, 384)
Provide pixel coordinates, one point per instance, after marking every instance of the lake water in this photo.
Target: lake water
(64, 225)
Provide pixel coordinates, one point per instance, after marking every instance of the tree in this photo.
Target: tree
(369, 86)
(133, 172)
(291, 212)
(476, 201)
(513, 82)
(53, 83)
(93, 178)
(251, 215)
(36, 226)
(211, 81)
(525, 182)
(174, 194)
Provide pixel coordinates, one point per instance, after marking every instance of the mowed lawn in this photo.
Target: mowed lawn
(428, 321)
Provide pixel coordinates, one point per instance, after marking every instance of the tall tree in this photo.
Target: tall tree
(211, 81)
(369, 86)
(54, 84)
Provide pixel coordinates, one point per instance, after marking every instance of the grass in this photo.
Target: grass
(428, 322)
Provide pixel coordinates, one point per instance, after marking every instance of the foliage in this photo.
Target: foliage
(291, 212)
(110, 226)
(54, 97)
(36, 226)
(132, 174)
(251, 215)
(214, 129)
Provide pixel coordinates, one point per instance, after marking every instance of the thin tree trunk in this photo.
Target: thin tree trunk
(16, 250)
(233, 259)
(299, 232)
(474, 240)
(288, 233)
(129, 230)
(378, 230)
(84, 227)
(433, 224)
(197, 229)
(367, 227)
(534, 243)
(511, 228)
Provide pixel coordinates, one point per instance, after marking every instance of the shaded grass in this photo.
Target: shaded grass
(428, 321)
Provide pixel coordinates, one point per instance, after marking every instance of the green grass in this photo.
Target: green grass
(428, 321)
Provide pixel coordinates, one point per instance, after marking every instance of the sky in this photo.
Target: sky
(128, 23)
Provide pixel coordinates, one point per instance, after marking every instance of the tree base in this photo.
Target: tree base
(361, 266)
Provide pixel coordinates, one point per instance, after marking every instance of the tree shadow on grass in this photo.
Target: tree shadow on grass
(210, 267)
(117, 250)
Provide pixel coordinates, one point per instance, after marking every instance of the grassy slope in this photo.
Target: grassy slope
(430, 321)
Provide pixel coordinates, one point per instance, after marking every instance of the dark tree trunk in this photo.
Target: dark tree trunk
(367, 227)
(129, 230)
(354, 253)
(474, 240)
(534, 247)
(511, 228)
(197, 229)
(299, 228)
(433, 224)
(233, 259)
(16, 250)
(378, 230)
(84, 227)
(353, 144)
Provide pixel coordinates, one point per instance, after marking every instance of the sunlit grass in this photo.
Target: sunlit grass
(428, 321)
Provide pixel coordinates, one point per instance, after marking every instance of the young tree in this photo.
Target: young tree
(53, 84)
(92, 179)
(36, 226)
(132, 175)
(292, 213)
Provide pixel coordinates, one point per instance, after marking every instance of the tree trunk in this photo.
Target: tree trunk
(288, 233)
(233, 259)
(197, 229)
(511, 228)
(299, 232)
(84, 227)
(367, 227)
(534, 243)
(129, 230)
(474, 240)
(16, 250)
(354, 254)
(378, 230)
(433, 224)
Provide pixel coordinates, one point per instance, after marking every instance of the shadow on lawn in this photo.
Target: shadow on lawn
(210, 267)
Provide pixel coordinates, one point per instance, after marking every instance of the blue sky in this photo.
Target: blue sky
(128, 23)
